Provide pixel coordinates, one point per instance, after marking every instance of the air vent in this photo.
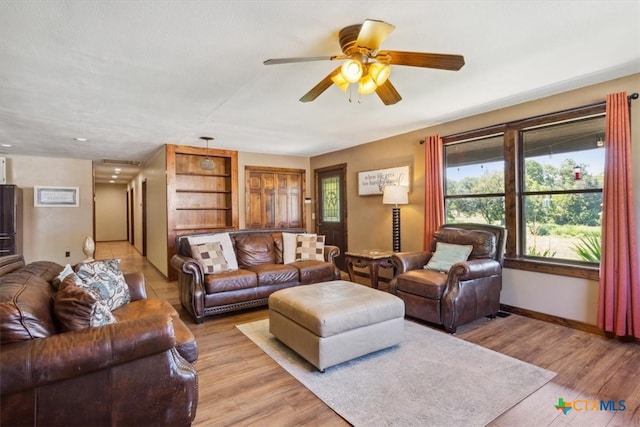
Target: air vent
(121, 162)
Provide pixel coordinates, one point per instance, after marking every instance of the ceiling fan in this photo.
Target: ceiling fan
(367, 66)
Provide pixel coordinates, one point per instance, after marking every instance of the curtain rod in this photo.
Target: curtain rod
(629, 99)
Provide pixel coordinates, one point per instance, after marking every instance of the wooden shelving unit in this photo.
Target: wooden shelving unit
(200, 200)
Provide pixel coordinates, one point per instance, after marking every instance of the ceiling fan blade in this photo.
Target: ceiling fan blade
(426, 60)
(388, 93)
(372, 33)
(276, 61)
(317, 90)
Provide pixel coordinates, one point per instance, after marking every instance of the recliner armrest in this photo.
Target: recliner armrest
(407, 261)
(42, 361)
(474, 269)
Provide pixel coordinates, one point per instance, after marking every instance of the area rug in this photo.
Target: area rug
(431, 379)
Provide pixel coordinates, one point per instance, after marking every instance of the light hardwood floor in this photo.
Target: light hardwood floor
(242, 386)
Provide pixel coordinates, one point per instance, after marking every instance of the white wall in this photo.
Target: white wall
(156, 177)
(111, 212)
(48, 232)
(567, 297)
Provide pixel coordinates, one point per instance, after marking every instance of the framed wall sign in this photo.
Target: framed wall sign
(373, 182)
(56, 196)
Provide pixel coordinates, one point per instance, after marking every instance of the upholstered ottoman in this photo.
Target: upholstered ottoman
(331, 322)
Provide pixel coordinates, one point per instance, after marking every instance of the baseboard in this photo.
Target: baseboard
(552, 319)
(581, 326)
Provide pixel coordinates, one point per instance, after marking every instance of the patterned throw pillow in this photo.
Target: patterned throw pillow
(310, 247)
(78, 307)
(227, 247)
(446, 255)
(210, 256)
(106, 280)
(289, 246)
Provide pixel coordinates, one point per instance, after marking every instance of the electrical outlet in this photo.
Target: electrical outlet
(67, 254)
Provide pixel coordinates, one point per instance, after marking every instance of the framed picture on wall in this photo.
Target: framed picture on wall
(56, 196)
(373, 182)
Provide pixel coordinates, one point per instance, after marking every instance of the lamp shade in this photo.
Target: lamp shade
(351, 70)
(395, 195)
(340, 81)
(379, 73)
(366, 85)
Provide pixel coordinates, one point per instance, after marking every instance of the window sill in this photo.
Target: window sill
(583, 272)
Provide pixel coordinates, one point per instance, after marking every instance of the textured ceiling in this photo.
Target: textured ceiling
(131, 76)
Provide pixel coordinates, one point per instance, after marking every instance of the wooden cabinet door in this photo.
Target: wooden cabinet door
(274, 197)
(260, 200)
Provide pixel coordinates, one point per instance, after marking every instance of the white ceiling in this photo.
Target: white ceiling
(131, 76)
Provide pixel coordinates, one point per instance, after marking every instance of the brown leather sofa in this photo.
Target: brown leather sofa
(135, 371)
(261, 272)
(470, 290)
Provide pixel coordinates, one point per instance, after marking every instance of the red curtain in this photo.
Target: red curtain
(433, 188)
(619, 296)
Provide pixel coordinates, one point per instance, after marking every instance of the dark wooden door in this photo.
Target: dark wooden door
(331, 208)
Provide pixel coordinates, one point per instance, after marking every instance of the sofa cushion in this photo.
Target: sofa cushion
(310, 247)
(232, 280)
(48, 270)
(210, 257)
(255, 249)
(273, 274)
(106, 280)
(225, 241)
(446, 255)
(78, 306)
(314, 271)
(425, 283)
(26, 305)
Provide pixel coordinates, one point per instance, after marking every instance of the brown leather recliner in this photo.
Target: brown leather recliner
(470, 290)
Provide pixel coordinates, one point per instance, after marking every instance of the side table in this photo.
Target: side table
(368, 258)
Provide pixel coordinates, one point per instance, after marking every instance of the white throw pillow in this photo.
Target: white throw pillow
(225, 241)
(289, 245)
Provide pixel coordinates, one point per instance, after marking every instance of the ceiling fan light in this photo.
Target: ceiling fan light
(366, 85)
(340, 81)
(351, 70)
(379, 72)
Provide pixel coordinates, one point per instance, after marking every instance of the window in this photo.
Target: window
(331, 199)
(562, 190)
(474, 184)
(541, 178)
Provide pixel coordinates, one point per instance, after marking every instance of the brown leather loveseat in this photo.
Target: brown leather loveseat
(134, 372)
(451, 292)
(262, 268)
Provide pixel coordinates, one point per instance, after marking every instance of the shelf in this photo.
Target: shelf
(218, 175)
(178, 190)
(204, 209)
